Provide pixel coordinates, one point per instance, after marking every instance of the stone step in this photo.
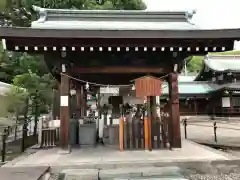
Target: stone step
(164, 178)
(131, 173)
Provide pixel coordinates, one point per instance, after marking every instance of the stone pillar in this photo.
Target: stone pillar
(174, 120)
(64, 110)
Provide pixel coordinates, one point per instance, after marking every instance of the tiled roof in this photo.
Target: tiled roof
(113, 19)
(222, 62)
(192, 88)
(186, 78)
(230, 86)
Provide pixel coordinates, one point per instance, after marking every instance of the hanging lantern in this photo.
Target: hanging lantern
(87, 86)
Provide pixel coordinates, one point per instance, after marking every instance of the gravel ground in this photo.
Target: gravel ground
(230, 176)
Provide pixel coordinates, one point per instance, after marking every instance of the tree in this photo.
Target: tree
(30, 72)
(12, 64)
(20, 12)
(195, 64)
(39, 89)
(16, 100)
(17, 103)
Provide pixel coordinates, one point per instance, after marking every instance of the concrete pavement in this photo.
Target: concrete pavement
(108, 156)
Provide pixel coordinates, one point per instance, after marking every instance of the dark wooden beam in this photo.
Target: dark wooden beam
(64, 112)
(233, 34)
(118, 70)
(50, 42)
(174, 124)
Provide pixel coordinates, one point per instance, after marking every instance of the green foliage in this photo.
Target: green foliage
(20, 13)
(195, 63)
(12, 64)
(87, 4)
(4, 106)
(30, 72)
(38, 87)
(16, 99)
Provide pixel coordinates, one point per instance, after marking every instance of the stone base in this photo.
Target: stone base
(153, 173)
(79, 174)
(64, 151)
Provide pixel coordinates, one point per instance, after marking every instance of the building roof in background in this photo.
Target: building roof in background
(4, 88)
(182, 78)
(235, 86)
(219, 63)
(195, 87)
(222, 63)
(113, 19)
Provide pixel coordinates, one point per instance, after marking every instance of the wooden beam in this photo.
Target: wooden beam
(175, 134)
(64, 112)
(149, 103)
(118, 70)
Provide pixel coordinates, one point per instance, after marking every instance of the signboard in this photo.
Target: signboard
(148, 86)
(109, 90)
(64, 101)
(225, 102)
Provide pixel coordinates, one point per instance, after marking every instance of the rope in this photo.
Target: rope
(104, 85)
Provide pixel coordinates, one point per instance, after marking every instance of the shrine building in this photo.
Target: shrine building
(114, 47)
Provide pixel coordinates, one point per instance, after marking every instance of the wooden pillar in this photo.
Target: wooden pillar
(78, 102)
(64, 110)
(195, 106)
(231, 105)
(56, 102)
(149, 114)
(121, 130)
(174, 124)
(81, 100)
(85, 102)
(154, 107)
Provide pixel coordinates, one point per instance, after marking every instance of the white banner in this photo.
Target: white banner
(64, 100)
(109, 90)
(225, 102)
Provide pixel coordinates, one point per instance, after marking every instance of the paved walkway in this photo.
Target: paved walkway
(23, 173)
(228, 133)
(106, 156)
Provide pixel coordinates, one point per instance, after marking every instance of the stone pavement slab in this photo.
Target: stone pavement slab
(107, 158)
(142, 172)
(22, 173)
(172, 172)
(79, 174)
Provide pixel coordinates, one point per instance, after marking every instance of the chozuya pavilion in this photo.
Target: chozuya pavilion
(112, 47)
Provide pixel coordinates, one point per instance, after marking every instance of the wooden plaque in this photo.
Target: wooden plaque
(148, 86)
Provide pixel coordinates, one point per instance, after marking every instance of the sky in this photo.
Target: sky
(209, 13)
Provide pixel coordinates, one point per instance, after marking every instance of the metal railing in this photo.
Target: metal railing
(48, 133)
(15, 139)
(50, 137)
(217, 124)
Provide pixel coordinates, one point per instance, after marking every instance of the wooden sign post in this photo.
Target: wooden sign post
(148, 86)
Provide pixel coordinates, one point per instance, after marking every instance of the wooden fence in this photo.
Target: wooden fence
(133, 134)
